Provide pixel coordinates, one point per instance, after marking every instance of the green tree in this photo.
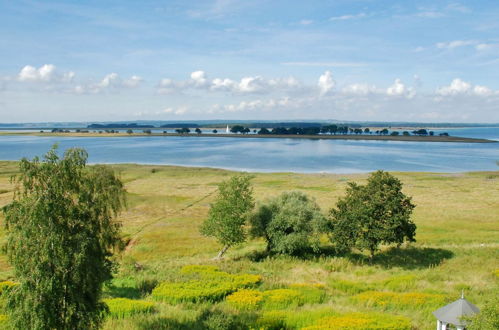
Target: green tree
(290, 223)
(198, 130)
(61, 234)
(129, 131)
(373, 214)
(228, 213)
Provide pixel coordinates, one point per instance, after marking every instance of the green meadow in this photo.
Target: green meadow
(158, 286)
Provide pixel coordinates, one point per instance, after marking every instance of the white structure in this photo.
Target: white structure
(227, 130)
(453, 314)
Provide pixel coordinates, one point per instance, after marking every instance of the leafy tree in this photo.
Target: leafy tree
(367, 130)
(228, 213)
(198, 130)
(488, 318)
(215, 131)
(405, 133)
(147, 131)
(290, 223)
(384, 131)
(263, 130)
(60, 236)
(373, 214)
(395, 133)
(237, 129)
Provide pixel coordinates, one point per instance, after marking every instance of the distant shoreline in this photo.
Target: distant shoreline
(411, 138)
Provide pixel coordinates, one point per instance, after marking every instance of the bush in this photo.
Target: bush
(400, 300)
(209, 284)
(363, 321)
(290, 223)
(218, 320)
(123, 307)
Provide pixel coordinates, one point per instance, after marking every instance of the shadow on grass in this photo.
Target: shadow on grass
(408, 258)
(304, 254)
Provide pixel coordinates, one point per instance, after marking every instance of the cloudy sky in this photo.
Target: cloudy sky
(426, 61)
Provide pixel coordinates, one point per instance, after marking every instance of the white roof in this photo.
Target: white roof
(454, 312)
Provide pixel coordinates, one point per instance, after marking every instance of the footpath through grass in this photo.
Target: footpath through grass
(457, 249)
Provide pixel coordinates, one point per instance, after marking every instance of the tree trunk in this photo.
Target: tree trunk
(371, 256)
(222, 252)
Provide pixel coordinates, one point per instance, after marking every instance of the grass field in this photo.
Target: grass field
(457, 249)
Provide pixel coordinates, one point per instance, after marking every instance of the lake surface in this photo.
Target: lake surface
(275, 155)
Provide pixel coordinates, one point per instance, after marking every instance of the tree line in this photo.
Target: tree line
(366, 217)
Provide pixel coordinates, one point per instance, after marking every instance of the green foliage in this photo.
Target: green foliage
(210, 284)
(373, 214)
(123, 307)
(61, 233)
(290, 223)
(216, 319)
(228, 213)
(488, 318)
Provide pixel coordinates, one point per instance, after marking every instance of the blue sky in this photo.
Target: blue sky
(428, 61)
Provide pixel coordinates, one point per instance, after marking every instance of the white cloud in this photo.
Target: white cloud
(360, 89)
(456, 87)
(460, 87)
(399, 89)
(482, 90)
(347, 17)
(455, 44)
(247, 85)
(326, 83)
(111, 81)
(46, 73)
(175, 111)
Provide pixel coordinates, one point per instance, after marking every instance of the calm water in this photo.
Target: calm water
(275, 155)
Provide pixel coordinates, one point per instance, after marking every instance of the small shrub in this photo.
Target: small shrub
(218, 320)
(403, 300)
(363, 321)
(123, 307)
(245, 299)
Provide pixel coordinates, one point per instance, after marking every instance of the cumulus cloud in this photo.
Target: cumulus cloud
(400, 89)
(460, 87)
(46, 73)
(111, 81)
(246, 85)
(326, 83)
(175, 111)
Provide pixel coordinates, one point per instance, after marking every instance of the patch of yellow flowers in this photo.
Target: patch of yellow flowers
(208, 283)
(357, 321)
(123, 307)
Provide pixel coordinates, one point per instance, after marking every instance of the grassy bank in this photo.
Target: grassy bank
(411, 138)
(457, 249)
